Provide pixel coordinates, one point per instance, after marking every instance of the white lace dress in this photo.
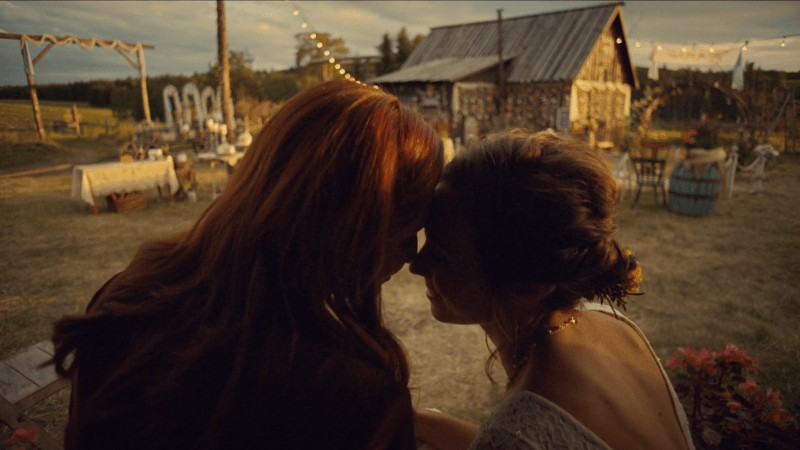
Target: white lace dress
(527, 421)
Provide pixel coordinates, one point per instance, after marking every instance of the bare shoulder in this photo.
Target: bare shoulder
(603, 374)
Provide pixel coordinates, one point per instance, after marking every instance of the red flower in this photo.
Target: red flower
(732, 354)
(24, 435)
(778, 416)
(734, 406)
(774, 397)
(751, 387)
(705, 359)
(674, 361)
(691, 356)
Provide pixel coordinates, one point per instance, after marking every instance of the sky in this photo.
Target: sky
(184, 33)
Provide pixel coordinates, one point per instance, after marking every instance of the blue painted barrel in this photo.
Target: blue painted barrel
(692, 196)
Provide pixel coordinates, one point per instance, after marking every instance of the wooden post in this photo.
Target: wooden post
(501, 67)
(75, 120)
(224, 68)
(37, 114)
(143, 73)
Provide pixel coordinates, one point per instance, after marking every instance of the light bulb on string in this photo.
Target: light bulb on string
(783, 42)
(327, 52)
(338, 66)
(296, 12)
(638, 44)
(659, 47)
(744, 47)
(619, 40)
(303, 25)
(332, 60)
(313, 35)
(341, 71)
(319, 44)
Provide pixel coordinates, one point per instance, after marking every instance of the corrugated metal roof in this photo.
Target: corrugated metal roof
(545, 47)
(446, 69)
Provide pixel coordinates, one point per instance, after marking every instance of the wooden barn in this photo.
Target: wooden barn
(567, 70)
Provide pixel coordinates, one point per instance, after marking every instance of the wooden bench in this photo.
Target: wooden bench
(23, 384)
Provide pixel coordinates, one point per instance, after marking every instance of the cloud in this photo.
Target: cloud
(184, 33)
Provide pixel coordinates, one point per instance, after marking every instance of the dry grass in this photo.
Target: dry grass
(730, 277)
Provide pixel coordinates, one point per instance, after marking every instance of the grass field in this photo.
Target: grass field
(730, 277)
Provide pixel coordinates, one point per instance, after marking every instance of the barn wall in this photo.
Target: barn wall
(600, 96)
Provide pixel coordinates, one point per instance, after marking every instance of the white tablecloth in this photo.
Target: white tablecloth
(98, 180)
(230, 159)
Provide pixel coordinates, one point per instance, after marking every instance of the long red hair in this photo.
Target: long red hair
(292, 249)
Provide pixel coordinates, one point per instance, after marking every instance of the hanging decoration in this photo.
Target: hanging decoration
(332, 60)
(738, 74)
(717, 54)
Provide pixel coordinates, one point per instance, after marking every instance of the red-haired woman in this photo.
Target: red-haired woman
(260, 326)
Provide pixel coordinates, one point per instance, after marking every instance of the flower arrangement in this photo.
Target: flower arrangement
(636, 273)
(727, 409)
(687, 137)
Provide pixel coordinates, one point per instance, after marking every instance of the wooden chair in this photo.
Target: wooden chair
(650, 164)
(23, 384)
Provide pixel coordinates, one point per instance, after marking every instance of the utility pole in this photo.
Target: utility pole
(224, 69)
(501, 67)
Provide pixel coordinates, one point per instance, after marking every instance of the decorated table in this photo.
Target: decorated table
(230, 159)
(98, 180)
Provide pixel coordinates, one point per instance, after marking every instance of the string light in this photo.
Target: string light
(619, 40)
(327, 52)
(638, 44)
(727, 45)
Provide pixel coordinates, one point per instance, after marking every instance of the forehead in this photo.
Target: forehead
(449, 215)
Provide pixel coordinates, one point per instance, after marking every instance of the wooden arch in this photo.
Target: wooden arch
(747, 110)
(677, 89)
(87, 44)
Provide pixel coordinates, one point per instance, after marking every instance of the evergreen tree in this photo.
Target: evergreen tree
(404, 47)
(387, 62)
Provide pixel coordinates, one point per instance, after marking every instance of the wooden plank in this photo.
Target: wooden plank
(34, 398)
(47, 347)
(14, 386)
(27, 363)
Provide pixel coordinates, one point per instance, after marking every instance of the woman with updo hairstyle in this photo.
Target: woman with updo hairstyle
(520, 240)
(260, 327)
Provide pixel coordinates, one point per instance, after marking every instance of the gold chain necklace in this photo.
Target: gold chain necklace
(552, 330)
(571, 321)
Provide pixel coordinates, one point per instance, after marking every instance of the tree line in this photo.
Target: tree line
(255, 92)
